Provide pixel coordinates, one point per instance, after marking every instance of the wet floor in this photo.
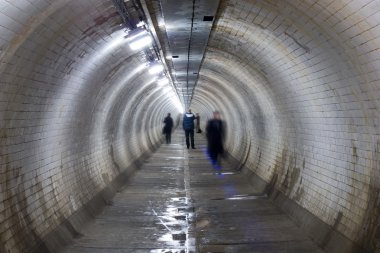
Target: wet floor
(179, 203)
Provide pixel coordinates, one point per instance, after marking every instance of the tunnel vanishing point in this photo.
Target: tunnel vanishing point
(297, 82)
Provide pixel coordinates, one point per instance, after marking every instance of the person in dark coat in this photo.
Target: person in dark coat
(215, 132)
(198, 122)
(188, 126)
(168, 121)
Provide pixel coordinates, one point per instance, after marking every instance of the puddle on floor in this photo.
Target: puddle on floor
(244, 197)
(220, 173)
(168, 251)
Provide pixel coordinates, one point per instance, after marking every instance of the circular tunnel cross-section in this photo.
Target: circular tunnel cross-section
(296, 81)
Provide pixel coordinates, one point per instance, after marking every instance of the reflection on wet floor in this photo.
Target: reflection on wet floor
(243, 197)
(174, 157)
(176, 220)
(166, 251)
(178, 202)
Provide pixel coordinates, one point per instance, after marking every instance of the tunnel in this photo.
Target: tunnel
(296, 82)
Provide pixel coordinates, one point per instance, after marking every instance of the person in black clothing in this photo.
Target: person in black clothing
(197, 125)
(215, 132)
(168, 121)
(188, 126)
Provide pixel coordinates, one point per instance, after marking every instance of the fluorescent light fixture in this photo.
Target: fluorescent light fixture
(154, 79)
(168, 57)
(140, 24)
(163, 82)
(135, 34)
(167, 90)
(141, 42)
(140, 67)
(155, 69)
(138, 38)
(161, 22)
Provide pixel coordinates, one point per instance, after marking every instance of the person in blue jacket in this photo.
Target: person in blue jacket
(188, 126)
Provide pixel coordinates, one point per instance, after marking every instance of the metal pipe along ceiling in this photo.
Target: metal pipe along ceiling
(187, 25)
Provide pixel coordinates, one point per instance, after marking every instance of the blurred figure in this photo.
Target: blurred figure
(197, 124)
(215, 132)
(188, 126)
(168, 121)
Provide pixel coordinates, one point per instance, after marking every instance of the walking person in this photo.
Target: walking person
(168, 121)
(197, 124)
(188, 126)
(215, 133)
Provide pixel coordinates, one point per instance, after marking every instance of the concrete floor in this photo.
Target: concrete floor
(179, 203)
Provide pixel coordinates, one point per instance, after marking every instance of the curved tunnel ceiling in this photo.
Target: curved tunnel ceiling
(296, 81)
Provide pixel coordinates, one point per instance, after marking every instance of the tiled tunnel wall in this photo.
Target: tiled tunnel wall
(303, 110)
(296, 82)
(77, 109)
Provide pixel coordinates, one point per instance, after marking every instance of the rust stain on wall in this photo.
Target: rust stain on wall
(291, 176)
(259, 159)
(369, 236)
(115, 163)
(354, 152)
(300, 191)
(286, 176)
(278, 167)
(3, 133)
(106, 178)
(269, 189)
(328, 236)
(14, 204)
(100, 21)
(371, 226)
(294, 178)
(17, 209)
